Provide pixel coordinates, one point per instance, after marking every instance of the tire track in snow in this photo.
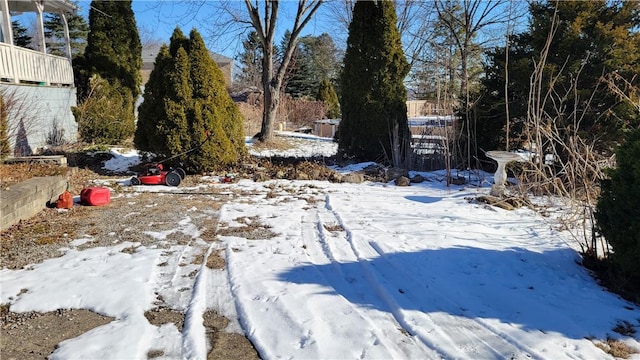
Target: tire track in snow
(327, 248)
(472, 338)
(173, 271)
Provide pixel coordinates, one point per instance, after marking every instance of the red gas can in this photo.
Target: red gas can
(95, 196)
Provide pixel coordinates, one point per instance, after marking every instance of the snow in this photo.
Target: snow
(365, 271)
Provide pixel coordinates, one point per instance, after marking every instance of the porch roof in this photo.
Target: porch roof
(49, 5)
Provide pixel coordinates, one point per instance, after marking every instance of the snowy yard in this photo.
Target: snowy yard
(346, 271)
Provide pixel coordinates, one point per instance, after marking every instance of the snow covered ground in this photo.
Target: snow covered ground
(354, 271)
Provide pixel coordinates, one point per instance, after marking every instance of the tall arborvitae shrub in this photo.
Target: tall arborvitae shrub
(618, 209)
(113, 47)
(5, 149)
(328, 96)
(114, 54)
(186, 106)
(373, 95)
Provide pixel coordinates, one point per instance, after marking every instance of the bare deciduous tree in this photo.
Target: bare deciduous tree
(465, 20)
(264, 24)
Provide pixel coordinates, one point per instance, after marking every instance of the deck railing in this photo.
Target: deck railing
(25, 66)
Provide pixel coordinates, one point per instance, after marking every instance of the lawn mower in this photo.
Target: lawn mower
(155, 174)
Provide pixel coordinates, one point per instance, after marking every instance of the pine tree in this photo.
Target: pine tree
(250, 62)
(20, 36)
(114, 54)
(186, 106)
(373, 97)
(593, 39)
(113, 48)
(54, 33)
(328, 96)
(618, 213)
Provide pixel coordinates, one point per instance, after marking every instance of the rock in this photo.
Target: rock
(335, 177)
(394, 173)
(373, 170)
(402, 181)
(417, 179)
(353, 178)
(456, 180)
(495, 201)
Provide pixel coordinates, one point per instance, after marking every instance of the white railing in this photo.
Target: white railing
(19, 66)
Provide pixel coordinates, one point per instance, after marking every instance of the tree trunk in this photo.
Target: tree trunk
(272, 79)
(271, 102)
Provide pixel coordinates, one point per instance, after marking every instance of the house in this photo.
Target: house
(37, 87)
(150, 52)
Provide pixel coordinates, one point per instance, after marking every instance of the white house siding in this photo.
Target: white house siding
(38, 108)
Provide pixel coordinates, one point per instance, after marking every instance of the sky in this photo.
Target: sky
(156, 20)
(367, 271)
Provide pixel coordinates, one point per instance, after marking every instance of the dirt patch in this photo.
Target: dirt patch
(162, 315)
(34, 335)
(140, 218)
(226, 345)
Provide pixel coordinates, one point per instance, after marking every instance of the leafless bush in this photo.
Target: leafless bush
(252, 117)
(565, 162)
(55, 137)
(301, 112)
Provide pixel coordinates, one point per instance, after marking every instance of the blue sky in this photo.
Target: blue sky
(156, 20)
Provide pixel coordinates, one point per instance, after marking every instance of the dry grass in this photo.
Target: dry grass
(615, 348)
(252, 229)
(11, 174)
(333, 227)
(274, 144)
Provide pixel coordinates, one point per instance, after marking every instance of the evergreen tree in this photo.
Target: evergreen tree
(373, 97)
(20, 35)
(618, 213)
(214, 111)
(113, 53)
(186, 106)
(328, 96)
(314, 59)
(113, 45)
(152, 113)
(299, 81)
(250, 62)
(594, 38)
(54, 33)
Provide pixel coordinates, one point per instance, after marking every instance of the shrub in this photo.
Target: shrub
(373, 96)
(184, 101)
(106, 115)
(618, 208)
